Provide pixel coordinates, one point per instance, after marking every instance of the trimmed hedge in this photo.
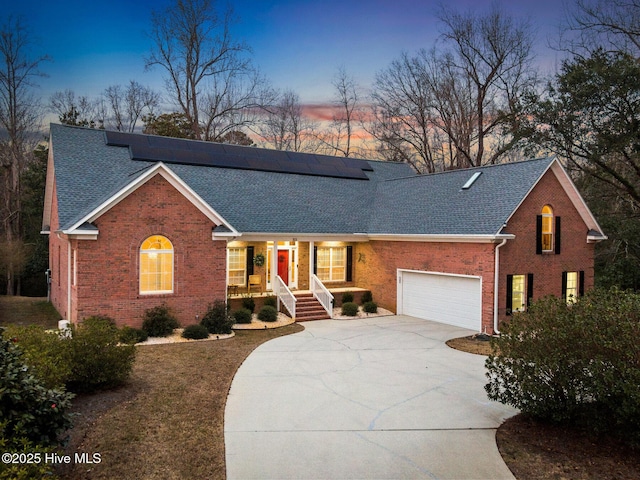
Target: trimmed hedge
(577, 363)
(350, 309)
(347, 297)
(366, 297)
(242, 315)
(159, 322)
(268, 314)
(271, 301)
(217, 319)
(370, 307)
(249, 303)
(195, 332)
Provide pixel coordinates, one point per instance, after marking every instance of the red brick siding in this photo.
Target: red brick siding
(376, 264)
(58, 253)
(518, 257)
(108, 268)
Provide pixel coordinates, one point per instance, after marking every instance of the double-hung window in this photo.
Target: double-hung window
(237, 262)
(331, 264)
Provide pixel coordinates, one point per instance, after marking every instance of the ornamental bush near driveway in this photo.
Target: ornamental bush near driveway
(576, 363)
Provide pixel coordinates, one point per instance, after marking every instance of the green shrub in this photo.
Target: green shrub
(370, 307)
(28, 410)
(98, 360)
(217, 319)
(249, 304)
(347, 297)
(578, 363)
(366, 297)
(350, 309)
(268, 314)
(159, 322)
(195, 332)
(25, 471)
(47, 354)
(271, 301)
(131, 336)
(242, 316)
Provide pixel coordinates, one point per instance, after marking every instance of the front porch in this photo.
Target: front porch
(308, 277)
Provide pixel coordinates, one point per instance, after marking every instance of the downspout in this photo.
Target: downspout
(495, 288)
(69, 280)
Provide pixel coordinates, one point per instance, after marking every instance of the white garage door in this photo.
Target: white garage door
(451, 299)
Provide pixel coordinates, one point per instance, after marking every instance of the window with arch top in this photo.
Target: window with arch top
(156, 265)
(547, 228)
(548, 231)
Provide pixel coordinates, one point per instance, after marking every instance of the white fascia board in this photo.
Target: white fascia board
(573, 193)
(443, 238)
(173, 179)
(82, 234)
(303, 237)
(570, 189)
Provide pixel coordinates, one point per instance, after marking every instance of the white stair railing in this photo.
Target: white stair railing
(285, 296)
(322, 294)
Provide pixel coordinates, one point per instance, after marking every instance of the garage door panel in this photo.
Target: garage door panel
(454, 300)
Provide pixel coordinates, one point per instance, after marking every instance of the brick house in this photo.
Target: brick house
(138, 220)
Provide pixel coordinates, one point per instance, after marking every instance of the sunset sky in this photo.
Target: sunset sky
(296, 44)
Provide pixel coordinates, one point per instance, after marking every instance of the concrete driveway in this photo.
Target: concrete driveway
(363, 399)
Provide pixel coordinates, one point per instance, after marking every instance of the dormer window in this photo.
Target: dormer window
(547, 231)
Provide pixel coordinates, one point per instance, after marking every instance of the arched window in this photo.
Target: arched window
(156, 265)
(547, 229)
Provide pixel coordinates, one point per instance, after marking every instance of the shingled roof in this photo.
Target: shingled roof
(380, 198)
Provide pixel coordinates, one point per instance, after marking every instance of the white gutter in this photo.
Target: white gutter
(495, 287)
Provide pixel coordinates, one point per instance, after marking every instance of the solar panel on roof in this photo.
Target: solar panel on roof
(191, 152)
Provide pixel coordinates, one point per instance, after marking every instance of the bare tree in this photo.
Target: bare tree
(128, 105)
(338, 138)
(210, 77)
(608, 24)
(81, 111)
(457, 105)
(285, 127)
(20, 120)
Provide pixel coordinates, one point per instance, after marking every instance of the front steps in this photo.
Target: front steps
(309, 308)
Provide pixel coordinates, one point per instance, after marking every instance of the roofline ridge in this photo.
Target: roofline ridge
(481, 167)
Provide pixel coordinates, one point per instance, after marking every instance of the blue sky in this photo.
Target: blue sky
(296, 44)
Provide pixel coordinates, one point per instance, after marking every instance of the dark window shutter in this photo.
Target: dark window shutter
(581, 284)
(539, 235)
(557, 236)
(529, 288)
(563, 291)
(315, 260)
(349, 263)
(250, 251)
(509, 293)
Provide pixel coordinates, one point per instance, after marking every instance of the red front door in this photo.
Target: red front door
(283, 265)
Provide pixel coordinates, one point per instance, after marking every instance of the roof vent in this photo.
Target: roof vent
(471, 181)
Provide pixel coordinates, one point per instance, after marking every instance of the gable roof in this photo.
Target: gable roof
(93, 171)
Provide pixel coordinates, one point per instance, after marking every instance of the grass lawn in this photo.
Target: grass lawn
(27, 311)
(167, 422)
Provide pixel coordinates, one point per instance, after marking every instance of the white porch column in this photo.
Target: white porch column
(311, 247)
(274, 262)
